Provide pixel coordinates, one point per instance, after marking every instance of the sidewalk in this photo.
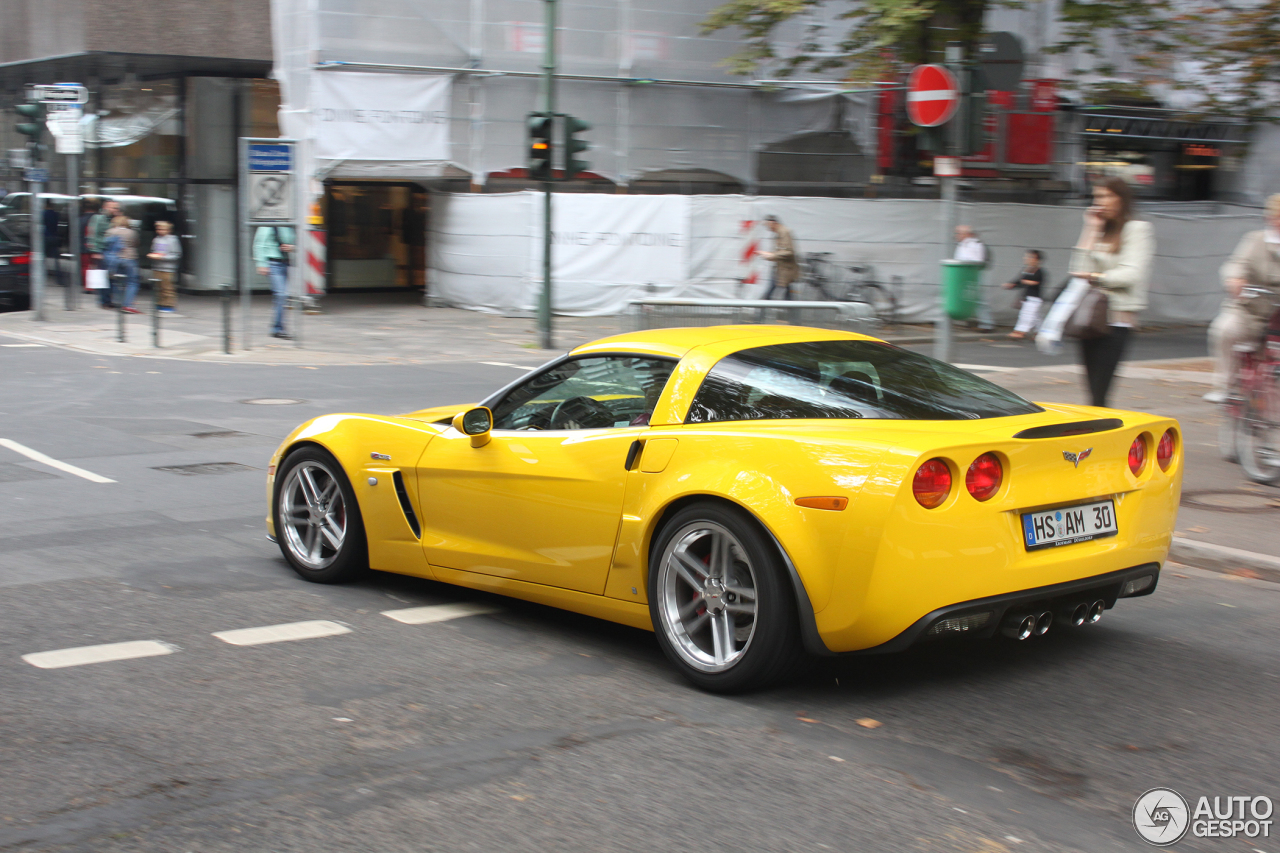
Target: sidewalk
(355, 328)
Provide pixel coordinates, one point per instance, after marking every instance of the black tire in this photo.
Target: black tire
(770, 636)
(322, 563)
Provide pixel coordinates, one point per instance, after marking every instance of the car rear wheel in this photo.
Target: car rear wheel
(721, 601)
(317, 520)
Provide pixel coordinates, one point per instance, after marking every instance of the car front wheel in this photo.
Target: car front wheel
(721, 601)
(318, 524)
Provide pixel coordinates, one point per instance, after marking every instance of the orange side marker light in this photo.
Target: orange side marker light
(835, 504)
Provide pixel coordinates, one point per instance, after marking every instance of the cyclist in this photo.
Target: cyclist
(1255, 264)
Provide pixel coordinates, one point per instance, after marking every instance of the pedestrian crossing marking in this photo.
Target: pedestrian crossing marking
(287, 632)
(82, 655)
(438, 612)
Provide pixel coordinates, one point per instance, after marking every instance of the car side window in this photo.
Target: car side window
(592, 392)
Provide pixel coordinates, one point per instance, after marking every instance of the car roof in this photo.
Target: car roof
(676, 343)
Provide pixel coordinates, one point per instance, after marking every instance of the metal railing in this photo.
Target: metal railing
(658, 313)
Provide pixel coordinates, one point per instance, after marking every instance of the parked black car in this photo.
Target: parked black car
(15, 271)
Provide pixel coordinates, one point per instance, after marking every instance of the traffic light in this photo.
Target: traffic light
(540, 147)
(573, 146)
(33, 126)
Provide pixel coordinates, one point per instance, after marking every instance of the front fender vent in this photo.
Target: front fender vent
(1074, 428)
(409, 515)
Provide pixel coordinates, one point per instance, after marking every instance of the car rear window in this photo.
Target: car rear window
(846, 379)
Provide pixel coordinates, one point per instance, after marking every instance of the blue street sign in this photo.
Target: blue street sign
(269, 157)
(39, 176)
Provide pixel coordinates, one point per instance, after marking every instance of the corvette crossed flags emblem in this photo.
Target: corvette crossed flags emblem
(1076, 458)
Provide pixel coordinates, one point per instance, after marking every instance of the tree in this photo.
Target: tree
(883, 34)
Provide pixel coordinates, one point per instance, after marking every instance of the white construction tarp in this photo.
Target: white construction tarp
(365, 116)
(485, 251)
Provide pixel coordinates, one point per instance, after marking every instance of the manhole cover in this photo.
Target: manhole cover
(273, 401)
(1231, 500)
(206, 468)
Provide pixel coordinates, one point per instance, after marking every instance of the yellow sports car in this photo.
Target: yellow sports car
(752, 494)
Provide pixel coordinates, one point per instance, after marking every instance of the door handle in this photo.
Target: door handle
(632, 453)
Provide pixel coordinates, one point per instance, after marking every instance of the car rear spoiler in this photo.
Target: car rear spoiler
(1074, 428)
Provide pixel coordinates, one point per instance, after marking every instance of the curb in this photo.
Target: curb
(1220, 558)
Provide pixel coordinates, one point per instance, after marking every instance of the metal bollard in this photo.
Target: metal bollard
(226, 317)
(155, 312)
(118, 293)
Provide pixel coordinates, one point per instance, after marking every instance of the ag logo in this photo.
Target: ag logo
(1161, 817)
(1076, 458)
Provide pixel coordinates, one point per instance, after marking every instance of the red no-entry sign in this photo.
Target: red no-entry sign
(933, 95)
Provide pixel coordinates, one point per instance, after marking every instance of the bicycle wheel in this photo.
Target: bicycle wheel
(1258, 433)
(883, 305)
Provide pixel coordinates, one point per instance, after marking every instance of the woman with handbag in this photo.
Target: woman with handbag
(1114, 255)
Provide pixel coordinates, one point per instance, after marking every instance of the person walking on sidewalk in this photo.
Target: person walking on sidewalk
(1031, 278)
(1255, 263)
(969, 247)
(786, 269)
(165, 255)
(1114, 253)
(120, 248)
(53, 245)
(273, 254)
(95, 231)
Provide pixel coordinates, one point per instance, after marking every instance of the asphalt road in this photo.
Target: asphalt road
(528, 728)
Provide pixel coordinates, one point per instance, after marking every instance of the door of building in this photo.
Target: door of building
(377, 235)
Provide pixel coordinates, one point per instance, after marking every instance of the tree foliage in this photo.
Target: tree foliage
(1225, 52)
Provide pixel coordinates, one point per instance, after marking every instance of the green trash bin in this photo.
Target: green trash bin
(960, 283)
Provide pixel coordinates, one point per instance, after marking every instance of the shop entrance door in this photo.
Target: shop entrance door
(377, 235)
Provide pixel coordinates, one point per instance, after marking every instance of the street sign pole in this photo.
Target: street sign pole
(548, 109)
(949, 192)
(73, 231)
(37, 247)
(268, 198)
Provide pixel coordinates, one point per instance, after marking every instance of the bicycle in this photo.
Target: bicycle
(1253, 407)
(822, 274)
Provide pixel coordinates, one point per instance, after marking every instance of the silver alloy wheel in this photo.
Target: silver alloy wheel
(707, 590)
(313, 514)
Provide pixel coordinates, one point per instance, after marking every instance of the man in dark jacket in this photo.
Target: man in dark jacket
(53, 246)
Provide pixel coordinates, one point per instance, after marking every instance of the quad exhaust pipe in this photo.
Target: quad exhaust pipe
(1023, 626)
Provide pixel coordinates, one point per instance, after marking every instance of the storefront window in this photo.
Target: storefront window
(377, 235)
(138, 131)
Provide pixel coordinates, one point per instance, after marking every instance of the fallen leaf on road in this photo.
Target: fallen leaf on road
(806, 720)
(836, 758)
(520, 797)
(1245, 573)
(868, 723)
(1197, 530)
(1179, 576)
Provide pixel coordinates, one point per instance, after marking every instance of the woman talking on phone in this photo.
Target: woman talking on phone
(1114, 254)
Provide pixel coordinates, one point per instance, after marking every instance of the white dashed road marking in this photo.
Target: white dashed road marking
(282, 633)
(99, 654)
(438, 613)
(37, 456)
(985, 368)
(506, 364)
(15, 346)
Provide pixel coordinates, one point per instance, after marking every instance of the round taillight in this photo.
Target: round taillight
(1137, 455)
(1164, 450)
(984, 476)
(932, 483)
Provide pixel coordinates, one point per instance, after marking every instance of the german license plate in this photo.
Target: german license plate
(1069, 525)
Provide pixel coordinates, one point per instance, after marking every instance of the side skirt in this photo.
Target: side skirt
(612, 609)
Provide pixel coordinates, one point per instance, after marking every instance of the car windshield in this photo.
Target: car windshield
(846, 379)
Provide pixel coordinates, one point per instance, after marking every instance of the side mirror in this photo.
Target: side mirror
(476, 423)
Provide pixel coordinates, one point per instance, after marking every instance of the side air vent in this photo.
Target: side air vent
(409, 515)
(1076, 428)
